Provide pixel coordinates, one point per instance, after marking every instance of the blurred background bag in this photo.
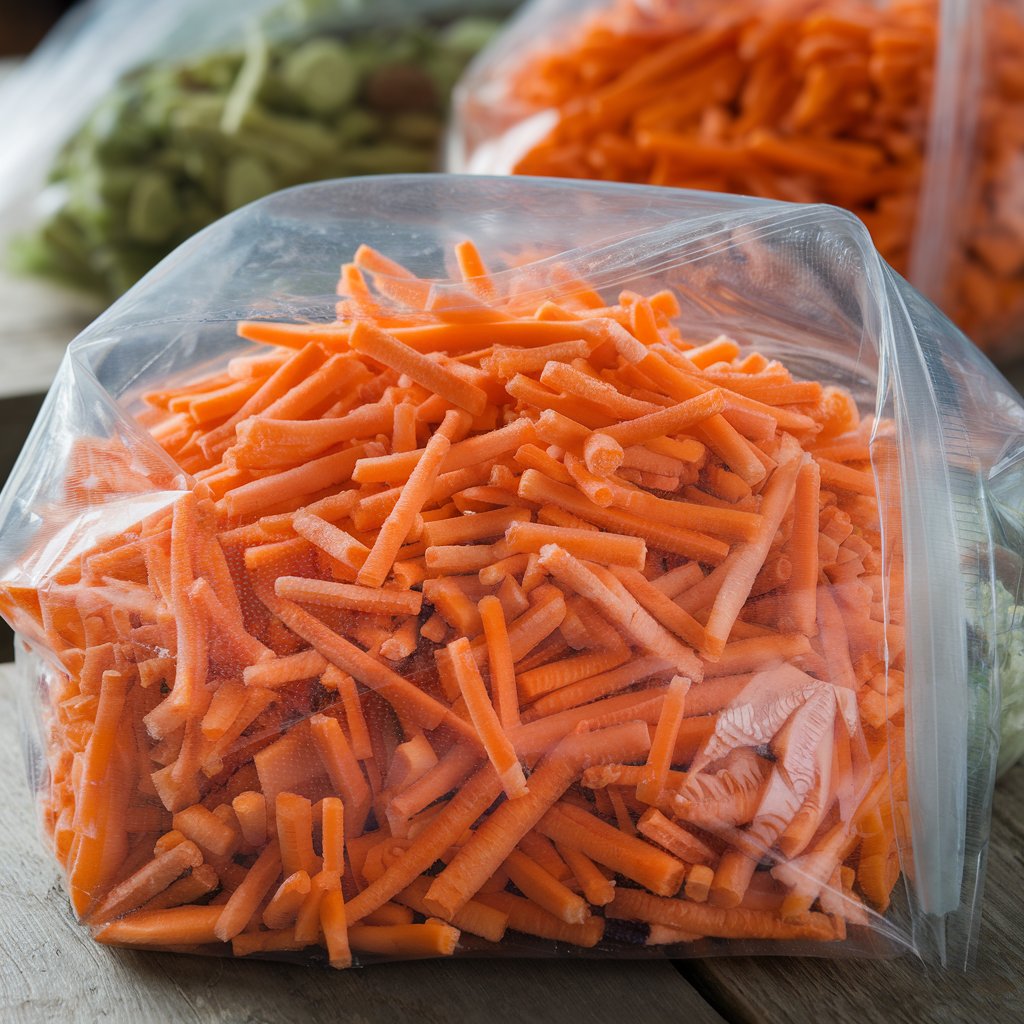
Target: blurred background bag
(910, 113)
(133, 126)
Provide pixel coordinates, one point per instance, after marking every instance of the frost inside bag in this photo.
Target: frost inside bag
(587, 567)
(122, 136)
(910, 113)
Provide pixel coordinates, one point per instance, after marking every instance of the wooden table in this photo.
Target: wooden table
(50, 969)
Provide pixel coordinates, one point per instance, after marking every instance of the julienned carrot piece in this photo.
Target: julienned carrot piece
(627, 855)
(534, 486)
(535, 682)
(349, 658)
(176, 926)
(341, 546)
(469, 802)
(400, 519)
(333, 922)
(147, 882)
(343, 769)
(500, 663)
(475, 917)
(745, 561)
(307, 479)
(598, 889)
(349, 596)
(287, 669)
(661, 607)
(404, 941)
(607, 548)
(527, 917)
(388, 350)
(451, 338)
(251, 810)
(643, 629)
(294, 816)
(619, 501)
(244, 901)
(284, 905)
(702, 919)
(659, 829)
(485, 720)
(659, 758)
(497, 836)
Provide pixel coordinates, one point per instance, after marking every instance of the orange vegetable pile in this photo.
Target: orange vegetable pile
(802, 100)
(482, 615)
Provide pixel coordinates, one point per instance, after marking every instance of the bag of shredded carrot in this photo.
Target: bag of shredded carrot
(426, 565)
(909, 113)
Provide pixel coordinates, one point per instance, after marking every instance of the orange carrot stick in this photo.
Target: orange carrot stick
(485, 720)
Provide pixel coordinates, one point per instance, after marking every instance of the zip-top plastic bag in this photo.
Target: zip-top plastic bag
(909, 113)
(122, 135)
(584, 568)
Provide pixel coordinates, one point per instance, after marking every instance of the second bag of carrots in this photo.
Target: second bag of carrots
(910, 113)
(421, 565)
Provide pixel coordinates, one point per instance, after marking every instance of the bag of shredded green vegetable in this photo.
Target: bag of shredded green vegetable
(424, 565)
(910, 113)
(144, 130)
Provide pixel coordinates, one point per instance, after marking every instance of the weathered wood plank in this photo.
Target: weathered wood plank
(773, 991)
(50, 969)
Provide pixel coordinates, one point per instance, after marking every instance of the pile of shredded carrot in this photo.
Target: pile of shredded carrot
(480, 619)
(801, 100)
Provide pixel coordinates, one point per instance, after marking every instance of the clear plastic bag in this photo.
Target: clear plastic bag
(907, 113)
(125, 135)
(752, 694)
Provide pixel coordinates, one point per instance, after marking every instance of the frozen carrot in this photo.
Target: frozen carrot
(673, 837)
(284, 905)
(498, 835)
(526, 916)
(663, 744)
(147, 882)
(746, 561)
(492, 736)
(499, 660)
(343, 769)
(625, 505)
(577, 829)
(251, 811)
(475, 917)
(399, 521)
(702, 919)
(244, 901)
(407, 942)
(334, 924)
(176, 926)
(349, 596)
(539, 885)
(607, 548)
(628, 615)
(388, 350)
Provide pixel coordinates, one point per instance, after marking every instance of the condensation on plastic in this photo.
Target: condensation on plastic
(492, 129)
(802, 284)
